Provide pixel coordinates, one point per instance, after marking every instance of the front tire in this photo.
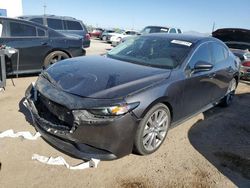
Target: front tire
(152, 130)
(53, 57)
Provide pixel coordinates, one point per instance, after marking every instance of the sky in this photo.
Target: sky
(189, 15)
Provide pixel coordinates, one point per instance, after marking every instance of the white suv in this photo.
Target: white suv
(151, 29)
(160, 29)
(117, 37)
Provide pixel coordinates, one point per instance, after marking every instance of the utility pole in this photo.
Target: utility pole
(213, 27)
(44, 8)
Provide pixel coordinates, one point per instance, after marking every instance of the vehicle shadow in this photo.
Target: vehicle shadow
(223, 138)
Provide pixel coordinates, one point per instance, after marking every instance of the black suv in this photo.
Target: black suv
(66, 25)
(38, 46)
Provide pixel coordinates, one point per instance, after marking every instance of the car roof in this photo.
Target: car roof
(49, 16)
(23, 21)
(164, 27)
(184, 37)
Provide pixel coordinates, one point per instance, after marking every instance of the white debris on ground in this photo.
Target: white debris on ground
(48, 160)
(61, 161)
(24, 134)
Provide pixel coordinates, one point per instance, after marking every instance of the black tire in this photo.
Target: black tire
(139, 146)
(227, 100)
(53, 57)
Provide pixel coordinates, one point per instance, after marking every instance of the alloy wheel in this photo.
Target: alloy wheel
(155, 130)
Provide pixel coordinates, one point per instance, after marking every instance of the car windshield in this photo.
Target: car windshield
(152, 51)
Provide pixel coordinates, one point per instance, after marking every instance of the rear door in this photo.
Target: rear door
(75, 27)
(31, 41)
(78, 29)
(56, 24)
(222, 69)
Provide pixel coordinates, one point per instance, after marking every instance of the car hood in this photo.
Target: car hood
(102, 77)
(234, 37)
(117, 35)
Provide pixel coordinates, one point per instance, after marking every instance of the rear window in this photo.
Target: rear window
(154, 30)
(55, 24)
(21, 30)
(73, 25)
(37, 20)
(172, 30)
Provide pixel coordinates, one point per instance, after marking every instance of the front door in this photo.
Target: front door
(197, 87)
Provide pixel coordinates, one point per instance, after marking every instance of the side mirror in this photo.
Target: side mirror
(202, 66)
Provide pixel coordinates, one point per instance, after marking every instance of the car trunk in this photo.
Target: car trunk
(234, 38)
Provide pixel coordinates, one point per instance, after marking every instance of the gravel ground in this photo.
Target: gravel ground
(209, 150)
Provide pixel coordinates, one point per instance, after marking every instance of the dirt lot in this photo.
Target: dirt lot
(210, 150)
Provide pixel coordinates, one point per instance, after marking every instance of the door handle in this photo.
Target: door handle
(44, 43)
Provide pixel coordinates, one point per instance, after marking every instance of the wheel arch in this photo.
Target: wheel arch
(57, 49)
(237, 77)
(163, 100)
(54, 50)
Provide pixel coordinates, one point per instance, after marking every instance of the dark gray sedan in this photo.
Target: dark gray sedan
(105, 107)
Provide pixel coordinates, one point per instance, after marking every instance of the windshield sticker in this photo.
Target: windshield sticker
(181, 42)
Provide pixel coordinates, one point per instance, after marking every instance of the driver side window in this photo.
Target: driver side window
(203, 53)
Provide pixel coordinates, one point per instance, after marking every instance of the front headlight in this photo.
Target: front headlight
(115, 110)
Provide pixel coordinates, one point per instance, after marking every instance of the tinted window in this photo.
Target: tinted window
(37, 20)
(219, 52)
(55, 24)
(151, 51)
(133, 33)
(179, 31)
(41, 32)
(154, 30)
(202, 54)
(172, 30)
(130, 32)
(73, 25)
(21, 30)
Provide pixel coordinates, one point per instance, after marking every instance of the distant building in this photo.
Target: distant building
(11, 8)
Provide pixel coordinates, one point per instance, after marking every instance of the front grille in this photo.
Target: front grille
(53, 112)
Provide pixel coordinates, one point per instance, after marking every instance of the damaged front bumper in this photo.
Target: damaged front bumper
(101, 138)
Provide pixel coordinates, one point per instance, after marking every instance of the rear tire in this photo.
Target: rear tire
(227, 100)
(152, 130)
(53, 57)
